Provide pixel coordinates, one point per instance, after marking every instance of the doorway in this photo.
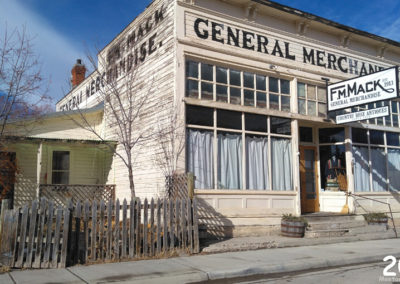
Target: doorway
(7, 175)
(309, 179)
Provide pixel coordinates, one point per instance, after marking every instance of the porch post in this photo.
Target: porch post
(349, 167)
(38, 168)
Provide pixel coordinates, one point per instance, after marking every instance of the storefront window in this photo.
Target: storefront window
(60, 167)
(211, 82)
(376, 162)
(333, 167)
(265, 141)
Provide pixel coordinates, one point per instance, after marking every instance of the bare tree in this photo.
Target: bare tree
(125, 97)
(170, 139)
(23, 90)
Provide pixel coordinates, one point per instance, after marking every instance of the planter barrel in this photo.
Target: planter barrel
(292, 229)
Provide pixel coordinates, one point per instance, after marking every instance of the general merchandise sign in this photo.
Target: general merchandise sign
(366, 89)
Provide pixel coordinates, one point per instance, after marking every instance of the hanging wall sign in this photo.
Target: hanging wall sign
(362, 115)
(366, 89)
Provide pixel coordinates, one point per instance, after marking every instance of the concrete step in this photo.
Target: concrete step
(326, 233)
(368, 229)
(331, 225)
(331, 218)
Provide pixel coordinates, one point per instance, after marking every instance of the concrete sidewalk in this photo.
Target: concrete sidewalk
(215, 266)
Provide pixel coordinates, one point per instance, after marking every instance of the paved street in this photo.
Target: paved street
(231, 265)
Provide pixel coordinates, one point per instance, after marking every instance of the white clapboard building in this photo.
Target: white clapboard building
(244, 86)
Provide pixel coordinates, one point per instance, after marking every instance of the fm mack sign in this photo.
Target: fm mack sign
(366, 89)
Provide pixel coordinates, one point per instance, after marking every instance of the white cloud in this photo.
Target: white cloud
(56, 52)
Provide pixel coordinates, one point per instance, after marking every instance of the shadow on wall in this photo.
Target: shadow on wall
(212, 224)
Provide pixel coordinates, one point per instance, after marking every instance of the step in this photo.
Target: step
(325, 225)
(368, 229)
(332, 218)
(326, 233)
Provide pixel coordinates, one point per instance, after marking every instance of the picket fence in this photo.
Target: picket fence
(43, 236)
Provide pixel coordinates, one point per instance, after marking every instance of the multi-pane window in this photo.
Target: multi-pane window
(60, 167)
(376, 157)
(239, 150)
(230, 85)
(311, 100)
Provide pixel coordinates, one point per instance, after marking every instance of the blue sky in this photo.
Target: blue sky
(65, 29)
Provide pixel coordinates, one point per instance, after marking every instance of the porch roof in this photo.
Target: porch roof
(59, 140)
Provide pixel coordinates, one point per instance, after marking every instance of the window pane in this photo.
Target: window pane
(285, 103)
(200, 149)
(331, 135)
(301, 90)
(321, 94)
(192, 89)
(359, 135)
(248, 98)
(229, 161)
(60, 178)
(235, 96)
(206, 72)
(280, 125)
(302, 107)
(260, 82)
(378, 165)
(311, 92)
(273, 101)
(332, 164)
(285, 87)
(361, 168)
(392, 139)
(199, 115)
(192, 69)
(394, 169)
(311, 108)
(281, 159)
(234, 77)
(61, 160)
(248, 80)
(222, 75)
(256, 122)
(394, 107)
(257, 176)
(273, 85)
(229, 119)
(395, 120)
(306, 134)
(206, 91)
(376, 137)
(261, 99)
(222, 93)
(322, 109)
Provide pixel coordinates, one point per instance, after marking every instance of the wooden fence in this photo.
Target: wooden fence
(42, 236)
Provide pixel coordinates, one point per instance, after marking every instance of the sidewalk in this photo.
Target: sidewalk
(215, 266)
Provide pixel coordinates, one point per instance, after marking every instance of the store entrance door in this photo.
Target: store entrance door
(308, 179)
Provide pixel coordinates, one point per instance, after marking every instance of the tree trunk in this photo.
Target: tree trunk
(131, 183)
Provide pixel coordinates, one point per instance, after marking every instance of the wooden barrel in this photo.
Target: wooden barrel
(292, 229)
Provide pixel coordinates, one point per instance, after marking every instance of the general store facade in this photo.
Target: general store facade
(248, 79)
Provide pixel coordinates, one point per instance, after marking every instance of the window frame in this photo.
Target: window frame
(60, 171)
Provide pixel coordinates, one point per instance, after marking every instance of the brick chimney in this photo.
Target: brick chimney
(78, 73)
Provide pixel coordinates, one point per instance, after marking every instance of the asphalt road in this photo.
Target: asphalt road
(354, 274)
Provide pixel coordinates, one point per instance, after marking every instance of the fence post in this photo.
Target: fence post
(190, 185)
(5, 205)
